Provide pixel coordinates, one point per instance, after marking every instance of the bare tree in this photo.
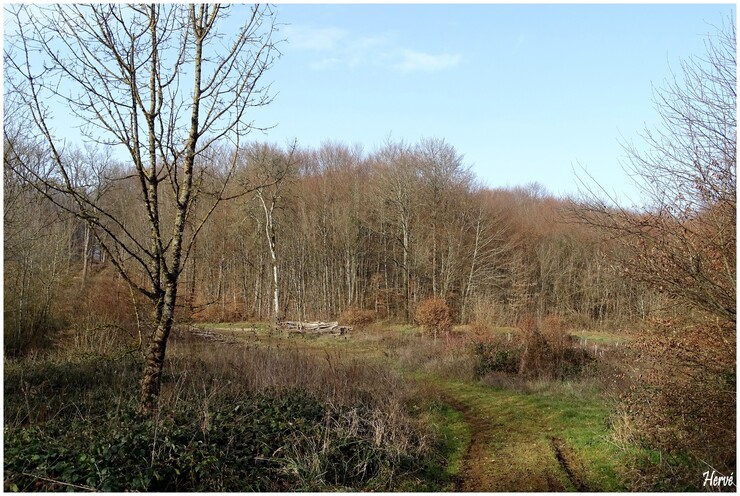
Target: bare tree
(272, 169)
(489, 245)
(444, 177)
(683, 242)
(396, 191)
(160, 82)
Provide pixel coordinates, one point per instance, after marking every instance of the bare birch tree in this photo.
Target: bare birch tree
(396, 192)
(161, 83)
(272, 169)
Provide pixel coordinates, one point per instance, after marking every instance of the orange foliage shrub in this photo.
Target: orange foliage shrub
(479, 332)
(435, 316)
(357, 318)
(217, 312)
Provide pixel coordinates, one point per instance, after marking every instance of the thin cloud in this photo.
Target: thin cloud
(325, 63)
(414, 61)
(315, 39)
(337, 47)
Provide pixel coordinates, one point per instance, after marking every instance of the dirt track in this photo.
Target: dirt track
(511, 457)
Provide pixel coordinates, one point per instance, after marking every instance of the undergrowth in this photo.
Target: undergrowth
(231, 418)
(258, 443)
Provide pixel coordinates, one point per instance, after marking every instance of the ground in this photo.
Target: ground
(513, 441)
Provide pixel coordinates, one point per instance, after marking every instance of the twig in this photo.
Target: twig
(86, 488)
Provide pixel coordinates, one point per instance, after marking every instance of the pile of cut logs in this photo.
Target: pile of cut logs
(332, 328)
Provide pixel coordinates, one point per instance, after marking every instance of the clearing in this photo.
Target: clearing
(505, 440)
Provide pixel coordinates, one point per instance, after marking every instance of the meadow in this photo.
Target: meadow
(385, 407)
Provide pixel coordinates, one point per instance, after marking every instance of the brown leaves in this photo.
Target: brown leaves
(435, 316)
(683, 393)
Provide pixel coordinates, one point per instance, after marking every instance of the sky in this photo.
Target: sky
(526, 93)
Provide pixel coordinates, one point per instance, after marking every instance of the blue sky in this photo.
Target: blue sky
(525, 92)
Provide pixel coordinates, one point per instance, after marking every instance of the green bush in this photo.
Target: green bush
(495, 357)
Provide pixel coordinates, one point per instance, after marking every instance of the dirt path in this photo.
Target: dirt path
(475, 474)
(513, 446)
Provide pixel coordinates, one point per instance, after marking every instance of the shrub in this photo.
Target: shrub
(479, 332)
(434, 315)
(537, 357)
(496, 356)
(682, 400)
(357, 318)
(34, 331)
(534, 354)
(552, 355)
(554, 324)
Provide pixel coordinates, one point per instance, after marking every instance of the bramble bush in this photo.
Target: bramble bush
(549, 353)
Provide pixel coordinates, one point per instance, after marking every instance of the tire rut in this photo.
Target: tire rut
(473, 475)
(567, 461)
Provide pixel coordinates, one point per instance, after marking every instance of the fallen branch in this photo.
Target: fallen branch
(68, 484)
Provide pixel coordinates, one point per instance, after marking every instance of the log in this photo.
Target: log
(314, 327)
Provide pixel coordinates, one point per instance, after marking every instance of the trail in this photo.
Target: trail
(513, 447)
(519, 442)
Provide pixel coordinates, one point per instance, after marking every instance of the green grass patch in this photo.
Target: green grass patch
(601, 337)
(259, 327)
(403, 329)
(522, 427)
(453, 439)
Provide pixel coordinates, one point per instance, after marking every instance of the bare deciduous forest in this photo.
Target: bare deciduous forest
(208, 312)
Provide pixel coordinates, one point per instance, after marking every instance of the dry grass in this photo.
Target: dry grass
(224, 371)
(369, 435)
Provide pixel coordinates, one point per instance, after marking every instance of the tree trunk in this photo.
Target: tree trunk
(85, 256)
(152, 377)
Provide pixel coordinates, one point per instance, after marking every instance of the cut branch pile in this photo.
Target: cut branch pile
(332, 328)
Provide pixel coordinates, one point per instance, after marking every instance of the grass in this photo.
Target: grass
(529, 431)
(528, 420)
(518, 454)
(454, 436)
(400, 412)
(601, 337)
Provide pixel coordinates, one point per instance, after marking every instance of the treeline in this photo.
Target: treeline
(386, 230)
(311, 233)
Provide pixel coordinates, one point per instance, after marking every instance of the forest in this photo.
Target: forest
(158, 306)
